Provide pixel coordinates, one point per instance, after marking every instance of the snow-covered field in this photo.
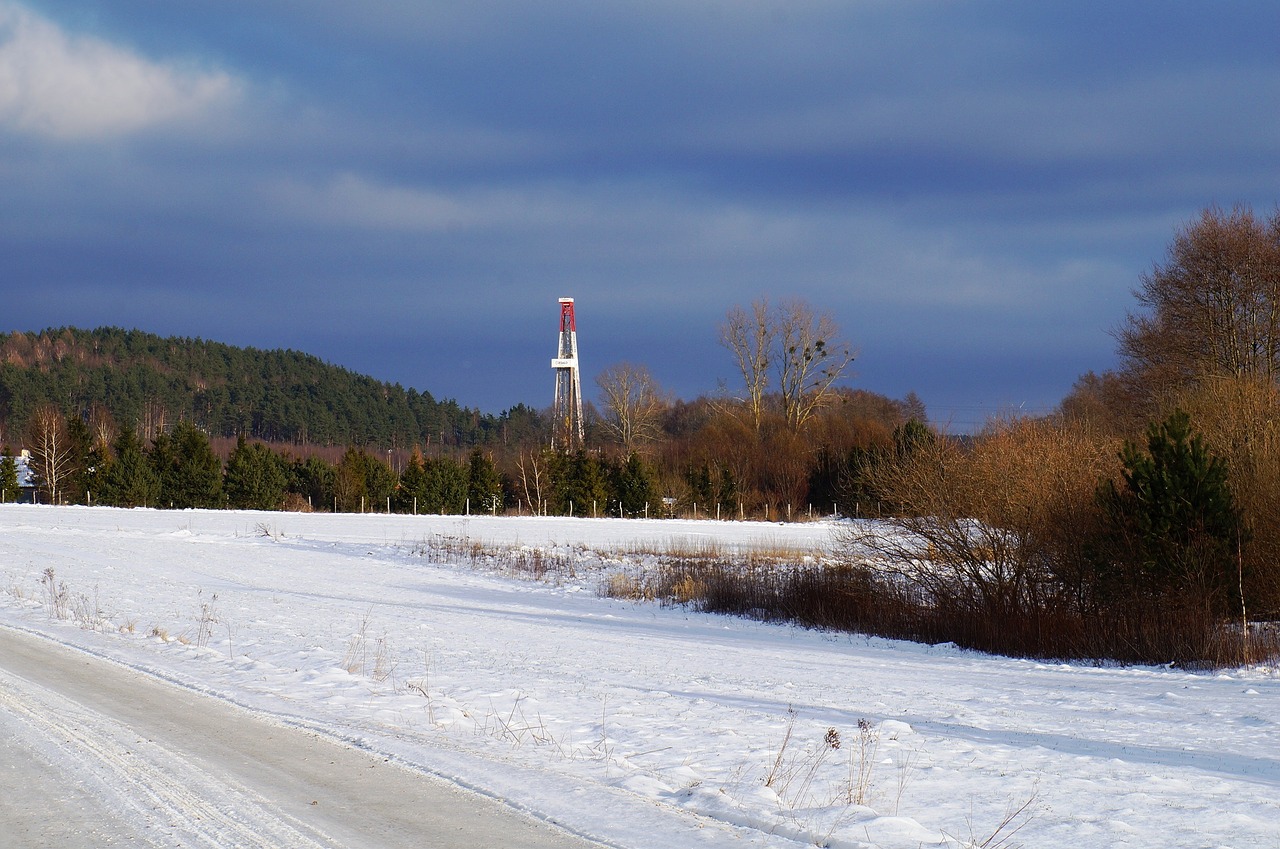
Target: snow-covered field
(633, 724)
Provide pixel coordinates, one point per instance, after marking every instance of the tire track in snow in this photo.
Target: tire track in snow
(156, 790)
(98, 754)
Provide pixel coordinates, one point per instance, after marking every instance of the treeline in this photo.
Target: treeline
(179, 469)
(777, 451)
(1141, 522)
(274, 396)
(1069, 536)
(704, 461)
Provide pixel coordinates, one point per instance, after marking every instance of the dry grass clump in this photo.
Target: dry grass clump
(368, 655)
(514, 560)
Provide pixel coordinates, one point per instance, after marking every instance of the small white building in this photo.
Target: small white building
(26, 486)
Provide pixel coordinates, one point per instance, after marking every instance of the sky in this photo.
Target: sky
(971, 190)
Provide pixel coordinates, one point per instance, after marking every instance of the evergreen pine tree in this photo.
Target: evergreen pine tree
(8, 476)
(702, 490)
(312, 480)
(77, 487)
(727, 491)
(410, 493)
(190, 473)
(379, 481)
(350, 486)
(635, 487)
(583, 484)
(128, 479)
(484, 485)
(255, 477)
(911, 435)
(445, 486)
(1174, 524)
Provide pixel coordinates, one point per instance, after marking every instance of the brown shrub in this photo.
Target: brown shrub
(992, 528)
(1239, 420)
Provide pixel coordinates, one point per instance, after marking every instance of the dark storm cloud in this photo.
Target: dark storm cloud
(405, 188)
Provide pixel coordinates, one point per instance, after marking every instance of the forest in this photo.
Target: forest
(274, 396)
(85, 402)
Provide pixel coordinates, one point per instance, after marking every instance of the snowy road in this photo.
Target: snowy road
(97, 755)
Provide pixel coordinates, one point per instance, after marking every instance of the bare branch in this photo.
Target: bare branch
(633, 404)
(811, 358)
(750, 337)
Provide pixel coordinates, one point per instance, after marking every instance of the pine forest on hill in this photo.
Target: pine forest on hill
(278, 396)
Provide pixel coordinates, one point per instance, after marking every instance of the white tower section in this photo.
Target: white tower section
(567, 432)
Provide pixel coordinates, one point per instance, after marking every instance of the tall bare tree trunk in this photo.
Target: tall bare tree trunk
(750, 337)
(51, 455)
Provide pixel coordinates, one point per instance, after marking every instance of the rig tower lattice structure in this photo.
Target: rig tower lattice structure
(567, 433)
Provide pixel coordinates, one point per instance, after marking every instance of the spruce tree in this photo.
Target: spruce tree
(8, 476)
(410, 492)
(445, 486)
(190, 473)
(583, 484)
(350, 485)
(78, 485)
(702, 491)
(484, 485)
(312, 480)
(128, 479)
(909, 436)
(727, 491)
(379, 481)
(1174, 524)
(255, 477)
(635, 488)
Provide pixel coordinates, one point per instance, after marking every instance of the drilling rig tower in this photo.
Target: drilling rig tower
(567, 432)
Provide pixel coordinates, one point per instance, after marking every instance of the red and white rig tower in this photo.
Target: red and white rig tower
(567, 414)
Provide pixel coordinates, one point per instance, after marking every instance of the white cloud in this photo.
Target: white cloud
(64, 86)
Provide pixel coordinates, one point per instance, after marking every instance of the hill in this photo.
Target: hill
(276, 396)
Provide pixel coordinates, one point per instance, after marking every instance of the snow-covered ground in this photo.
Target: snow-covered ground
(633, 724)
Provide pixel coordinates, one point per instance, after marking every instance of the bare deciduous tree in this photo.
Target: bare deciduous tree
(154, 421)
(532, 468)
(802, 344)
(811, 357)
(103, 429)
(1239, 419)
(51, 451)
(633, 404)
(1213, 307)
(750, 338)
